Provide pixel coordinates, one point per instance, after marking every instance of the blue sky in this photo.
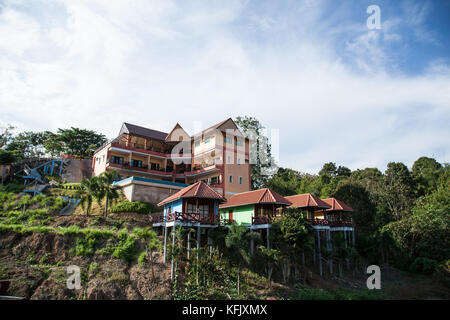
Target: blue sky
(334, 90)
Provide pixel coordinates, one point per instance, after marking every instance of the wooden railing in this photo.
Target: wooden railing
(340, 223)
(318, 222)
(260, 220)
(185, 217)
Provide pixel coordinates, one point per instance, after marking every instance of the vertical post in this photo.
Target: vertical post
(353, 237)
(314, 251)
(173, 248)
(320, 254)
(252, 246)
(330, 248)
(189, 244)
(268, 240)
(165, 242)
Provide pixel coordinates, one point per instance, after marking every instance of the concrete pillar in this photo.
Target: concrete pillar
(173, 248)
(252, 246)
(165, 243)
(330, 248)
(189, 244)
(268, 240)
(353, 237)
(320, 254)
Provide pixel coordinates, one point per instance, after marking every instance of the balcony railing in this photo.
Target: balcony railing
(192, 217)
(260, 220)
(340, 223)
(318, 222)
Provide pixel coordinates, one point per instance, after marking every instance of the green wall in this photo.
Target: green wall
(241, 214)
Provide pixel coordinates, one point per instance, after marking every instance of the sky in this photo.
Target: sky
(311, 72)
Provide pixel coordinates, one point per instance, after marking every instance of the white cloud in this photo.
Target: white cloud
(101, 63)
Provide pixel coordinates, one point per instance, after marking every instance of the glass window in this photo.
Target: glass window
(203, 208)
(197, 143)
(240, 180)
(228, 140)
(207, 139)
(239, 143)
(230, 179)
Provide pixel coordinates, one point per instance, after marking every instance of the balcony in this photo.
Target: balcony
(318, 222)
(340, 223)
(187, 217)
(144, 168)
(260, 220)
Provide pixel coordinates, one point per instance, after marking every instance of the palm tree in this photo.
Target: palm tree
(238, 243)
(89, 190)
(107, 190)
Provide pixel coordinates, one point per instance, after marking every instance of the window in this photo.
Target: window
(228, 140)
(228, 159)
(239, 161)
(154, 166)
(197, 143)
(239, 143)
(190, 208)
(203, 209)
(240, 180)
(115, 159)
(136, 163)
(206, 140)
(230, 179)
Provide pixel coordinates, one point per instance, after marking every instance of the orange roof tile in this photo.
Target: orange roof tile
(307, 200)
(262, 196)
(196, 190)
(337, 205)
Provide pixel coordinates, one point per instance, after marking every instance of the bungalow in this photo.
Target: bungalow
(255, 209)
(194, 206)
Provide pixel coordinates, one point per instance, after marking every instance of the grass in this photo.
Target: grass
(305, 293)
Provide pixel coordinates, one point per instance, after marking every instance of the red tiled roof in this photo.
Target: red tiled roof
(337, 205)
(307, 200)
(256, 196)
(197, 190)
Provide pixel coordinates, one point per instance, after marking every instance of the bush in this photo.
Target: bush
(423, 265)
(126, 249)
(133, 206)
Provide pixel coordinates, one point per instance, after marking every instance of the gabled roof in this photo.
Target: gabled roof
(307, 200)
(222, 126)
(196, 190)
(337, 205)
(142, 132)
(261, 196)
(180, 132)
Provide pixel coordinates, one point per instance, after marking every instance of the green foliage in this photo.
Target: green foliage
(304, 293)
(133, 206)
(263, 163)
(126, 248)
(423, 265)
(7, 157)
(285, 182)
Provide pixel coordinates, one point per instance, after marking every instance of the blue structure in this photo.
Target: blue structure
(36, 175)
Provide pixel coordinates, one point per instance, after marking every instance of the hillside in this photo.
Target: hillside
(35, 257)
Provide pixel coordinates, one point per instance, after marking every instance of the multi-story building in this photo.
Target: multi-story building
(155, 164)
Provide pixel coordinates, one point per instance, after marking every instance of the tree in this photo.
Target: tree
(106, 188)
(80, 142)
(238, 243)
(53, 144)
(152, 243)
(7, 157)
(5, 135)
(285, 182)
(425, 172)
(263, 164)
(397, 189)
(271, 258)
(89, 191)
(328, 169)
(27, 144)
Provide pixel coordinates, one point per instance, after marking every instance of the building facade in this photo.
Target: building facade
(217, 156)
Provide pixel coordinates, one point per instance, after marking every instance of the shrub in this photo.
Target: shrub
(423, 265)
(126, 249)
(133, 206)
(142, 258)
